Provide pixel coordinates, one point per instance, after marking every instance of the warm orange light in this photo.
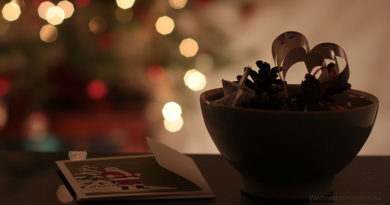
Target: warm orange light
(97, 24)
(48, 33)
(165, 25)
(194, 80)
(68, 8)
(188, 47)
(43, 8)
(171, 111)
(177, 4)
(125, 4)
(55, 15)
(11, 11)
(174, 126)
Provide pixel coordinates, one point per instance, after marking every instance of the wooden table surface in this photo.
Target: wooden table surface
(31, 178)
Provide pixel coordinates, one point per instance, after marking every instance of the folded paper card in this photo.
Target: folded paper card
(165, 174)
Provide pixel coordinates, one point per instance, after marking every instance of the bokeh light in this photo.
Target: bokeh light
(123, 16)
(125, 4)
(11, 11)
(4, 86)
(194, 80)
(171, 111)
(188, 47)
(96, 89)
(68, 8)
(43, 8)
(177, 4)
(174, 126)
(37, 126)
(48, 33)
(55, 15)
(97, 25)
(165, 25)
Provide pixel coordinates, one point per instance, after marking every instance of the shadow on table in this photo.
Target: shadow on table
(251, 200)
(331, 199)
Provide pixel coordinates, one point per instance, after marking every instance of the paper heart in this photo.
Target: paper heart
(292, 47)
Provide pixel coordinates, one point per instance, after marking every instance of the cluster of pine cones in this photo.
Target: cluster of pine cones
(271, 91)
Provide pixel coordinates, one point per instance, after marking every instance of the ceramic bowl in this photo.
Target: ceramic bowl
(289, 154)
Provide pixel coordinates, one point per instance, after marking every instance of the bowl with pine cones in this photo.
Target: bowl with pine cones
(290, 141)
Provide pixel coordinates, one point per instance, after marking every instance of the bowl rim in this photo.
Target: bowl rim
(371, 97)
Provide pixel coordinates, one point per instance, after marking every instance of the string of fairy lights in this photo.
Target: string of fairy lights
(56, 14)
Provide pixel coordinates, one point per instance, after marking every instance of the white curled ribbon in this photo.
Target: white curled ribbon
(292, 47)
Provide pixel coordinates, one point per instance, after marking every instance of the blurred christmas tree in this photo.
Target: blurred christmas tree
(86, 66)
